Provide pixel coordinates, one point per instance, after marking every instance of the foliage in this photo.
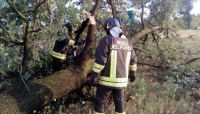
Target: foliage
(195, 22)
(38, 19)
(179, 23)
(160, 53)
(161, 100)
(10, 59)
(174, 55)
(186, 7)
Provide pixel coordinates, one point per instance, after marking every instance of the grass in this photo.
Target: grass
(166, 99)
(185, 33)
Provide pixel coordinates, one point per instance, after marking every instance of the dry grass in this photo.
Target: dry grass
(184, 33)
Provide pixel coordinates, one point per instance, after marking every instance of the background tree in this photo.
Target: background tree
(185, 8)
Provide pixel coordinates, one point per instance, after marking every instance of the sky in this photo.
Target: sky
(196, 9)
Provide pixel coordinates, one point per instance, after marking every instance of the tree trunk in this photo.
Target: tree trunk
(41, 92)
(140, 34)
(189, 20)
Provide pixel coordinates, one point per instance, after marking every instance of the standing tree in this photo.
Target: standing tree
(185, 8)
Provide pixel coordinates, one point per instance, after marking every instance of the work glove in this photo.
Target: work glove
(132, 76)
(90, 81)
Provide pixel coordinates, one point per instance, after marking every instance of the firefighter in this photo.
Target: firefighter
(60, 49)
(115, 62)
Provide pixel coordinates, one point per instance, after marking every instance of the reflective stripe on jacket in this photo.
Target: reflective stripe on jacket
(58, 55)
(71, 42)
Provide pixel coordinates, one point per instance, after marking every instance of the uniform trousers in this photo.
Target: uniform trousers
(57, 64)
(102, 95)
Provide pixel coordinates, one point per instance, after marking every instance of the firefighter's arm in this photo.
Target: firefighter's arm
(101, 57)
(89, 21)
(133, 67)
(96, 69)
(81, 29)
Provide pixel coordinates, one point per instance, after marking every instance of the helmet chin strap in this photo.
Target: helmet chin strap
(120, 34)
(108, 32)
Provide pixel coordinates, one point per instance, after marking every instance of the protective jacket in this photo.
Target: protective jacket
(111, 64)
(60, 48)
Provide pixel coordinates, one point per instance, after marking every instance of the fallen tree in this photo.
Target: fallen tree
(45, 90)
(41, 92)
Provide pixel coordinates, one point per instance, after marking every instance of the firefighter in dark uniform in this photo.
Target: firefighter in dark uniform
(59, 50)
(115, 63)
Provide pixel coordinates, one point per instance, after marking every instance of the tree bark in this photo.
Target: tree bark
(41, 92)
(140, 34)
